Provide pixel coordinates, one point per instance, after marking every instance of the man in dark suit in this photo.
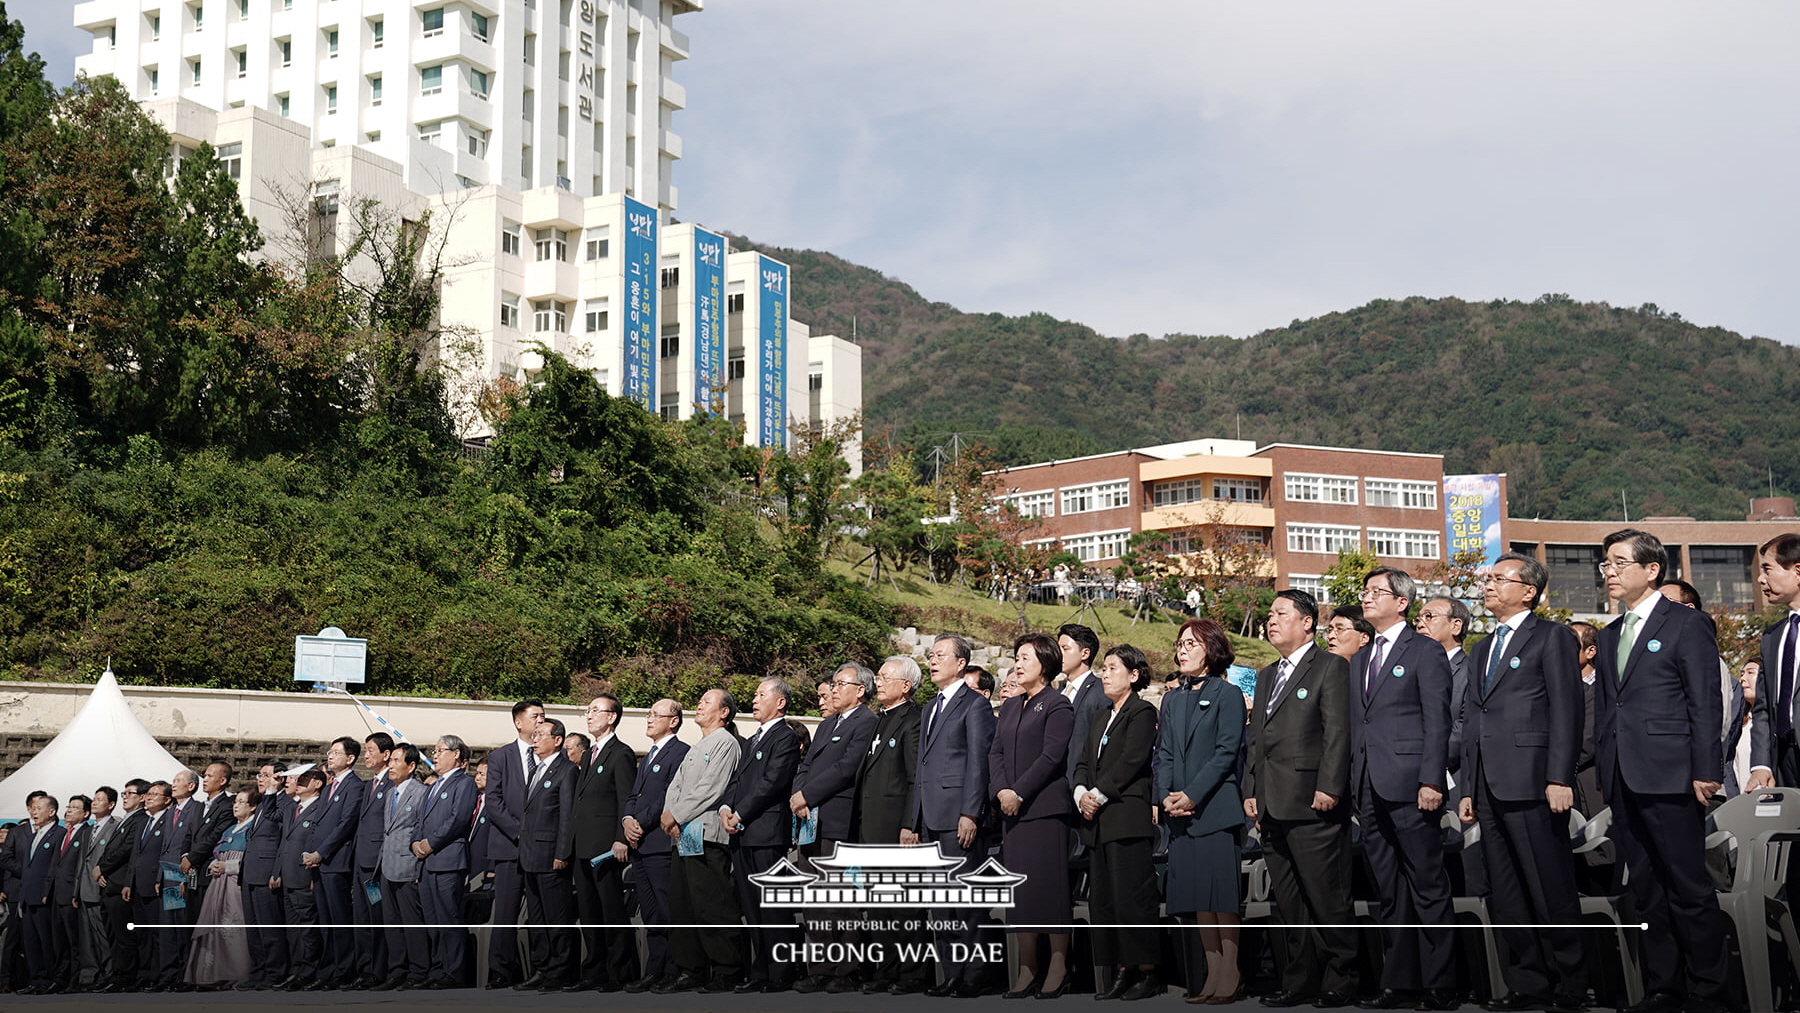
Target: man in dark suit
(1081, 685)
(954, 737)
(1522, 721)
(442, 842)
(1296, 777)
(1774, 751)
(42, 836)
(1446, 620)
(503, 806)
(297, 881)
(1399, 753)
(180, 825)
(546, 846)
(96, 927)
(13, 852)
(609, 767)
(72, 851)
(115, 876)
(215, 818)
(143, 884)
(754, 811)
(370, 943)
(478, 903)
(262, 906)
(333, 855)
(824, 793)
(649, 846)
(1656, 734)
(884, 801)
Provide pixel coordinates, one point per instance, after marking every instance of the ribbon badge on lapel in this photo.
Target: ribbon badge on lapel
(1654, 646)
(1300, 694)
(1399, 671)
(1513, 663)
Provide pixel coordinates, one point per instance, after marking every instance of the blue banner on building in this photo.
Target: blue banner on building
(709, 322)
(772, 377)
(1472, 516)
(641, 296)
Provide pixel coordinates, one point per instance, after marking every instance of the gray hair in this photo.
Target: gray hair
(905, 668)
(456, 745)
(1458, 613)
(189, 774)
(781, 689)
(863, 675)
(1398, 581)
(1533, 571)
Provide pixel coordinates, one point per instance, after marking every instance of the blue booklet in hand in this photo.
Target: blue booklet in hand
(691, 843)
(807, 831)
(173, 880)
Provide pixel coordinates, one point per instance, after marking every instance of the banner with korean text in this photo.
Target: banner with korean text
(773, 376)
(1472, 516)
(641, 296)
(709, 322)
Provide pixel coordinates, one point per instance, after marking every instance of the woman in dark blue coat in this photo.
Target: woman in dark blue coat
(1196, 785)
(1026, 772)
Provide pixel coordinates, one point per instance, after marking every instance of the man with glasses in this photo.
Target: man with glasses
(1446, 621)
(262, 908)
(1348, 632)
(824, 790)
(1523, 736)
(755, 813)
(115, 870)
(442, 842)
(504, 803)
(1656, 738)
(649, 846)
(607, 771)
(884, 795)
(1399, 752)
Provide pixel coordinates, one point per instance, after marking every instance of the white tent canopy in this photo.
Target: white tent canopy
(103, 744)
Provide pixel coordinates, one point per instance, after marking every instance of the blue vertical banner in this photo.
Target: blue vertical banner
(642, 293)
(773, 376)
(1472, 516)
(709, 320)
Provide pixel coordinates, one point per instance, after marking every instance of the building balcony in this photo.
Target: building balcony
(670, 143)
(95, 15)
(673, 94)
(675, 43)
(1209, 511)
(545, 279)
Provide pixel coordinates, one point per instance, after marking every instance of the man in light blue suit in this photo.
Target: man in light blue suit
(442, 842)
(400, 808)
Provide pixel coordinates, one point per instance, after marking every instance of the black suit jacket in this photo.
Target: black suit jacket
(1765, 747)
(1030, 750)
(884, 778)
(264, 841)
(215, 819)
(761, 786)
(649, 791)
(1400, 735)
(1119, 769)
(299, 835)
(12, 858)
(115, 858)
(371, 822)
(600, 794)
(40, 862)
(505, 801)
(1304, 745)
(146, 854)
(827, 776)
(70, 864)
(1091, 705)
(1525, 731)
(1658, 728)
(546, 824)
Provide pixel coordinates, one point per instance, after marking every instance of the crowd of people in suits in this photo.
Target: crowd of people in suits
(1346, 756)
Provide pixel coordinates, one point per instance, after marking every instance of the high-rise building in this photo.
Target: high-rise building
(538, 133)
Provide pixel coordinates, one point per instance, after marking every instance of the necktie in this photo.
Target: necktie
(393, 802)
(1493, 665)
(67, 837)
(531, 785)
(1374, 667)
(1282, 671)
(750, 747)
(1784, 710)
(149, 825)
(937, 708)
(475, 817)
(1626, 639)
(651, 755)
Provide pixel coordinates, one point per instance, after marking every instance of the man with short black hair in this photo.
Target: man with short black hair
(402, 913)
(297, 879)
(1656, 732)
(546, 845)
(262, 905)
(1774, 748)
(503, 805)
(370, 830)
(333, 854)
(1080, 649)
(610, 960)
(96, 937)
(115, 876)
(71, 862)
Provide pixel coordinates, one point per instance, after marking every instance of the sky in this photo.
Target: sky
(1182, 166)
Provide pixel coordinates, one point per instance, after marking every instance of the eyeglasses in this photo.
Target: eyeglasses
(1188, 643)
(1375, 592)
(665, 717)
(844, 684)
(1349, 627)
(1494, 578)
(1610, 567)
(1426, 615)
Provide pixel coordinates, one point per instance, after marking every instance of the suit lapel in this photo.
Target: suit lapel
(1397, 657)
(1659, 615)
(1515, 646)
(1300, 672)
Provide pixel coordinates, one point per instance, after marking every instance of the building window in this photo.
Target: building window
(478, 83)
(511, 238)
(287, 5)
(1178, 492)
(1403, 544)
(671, 277)
(287, 51)
(1103, 545)
(243, 9)
(552, 244)
(670, 407)
(1312, 584)
(1328, 538)
(734, 303)
(1391, 492)
(478, 25)
(155, 27)
(243, 63)
(815, 381)
(549, 315)
(669, 346)
(199, 18)
(1038, 503)
(1083, 499)
(331, 100)
(231, 159)
(596, 316)
(598, 247)
(372, 136)
(1321, 489)
(531, 50)
(377, 32)
(1238, 490)
(431, 80)
(431, 133)
(509, 311)
(282, 105)
(433, 22)
(375, 90)
(331, 43)
(194, 71)
(478, 142)
(734, 367)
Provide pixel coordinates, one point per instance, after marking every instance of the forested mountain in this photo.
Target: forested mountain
(1575, 401)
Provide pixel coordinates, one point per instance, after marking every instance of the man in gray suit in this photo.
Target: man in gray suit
(96, 959)
(401, 809)
(700, 877)
(954, 737)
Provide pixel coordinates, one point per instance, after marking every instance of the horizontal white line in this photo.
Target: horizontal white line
(797, 926)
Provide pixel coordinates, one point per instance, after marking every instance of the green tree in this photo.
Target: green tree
(1343, 579)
